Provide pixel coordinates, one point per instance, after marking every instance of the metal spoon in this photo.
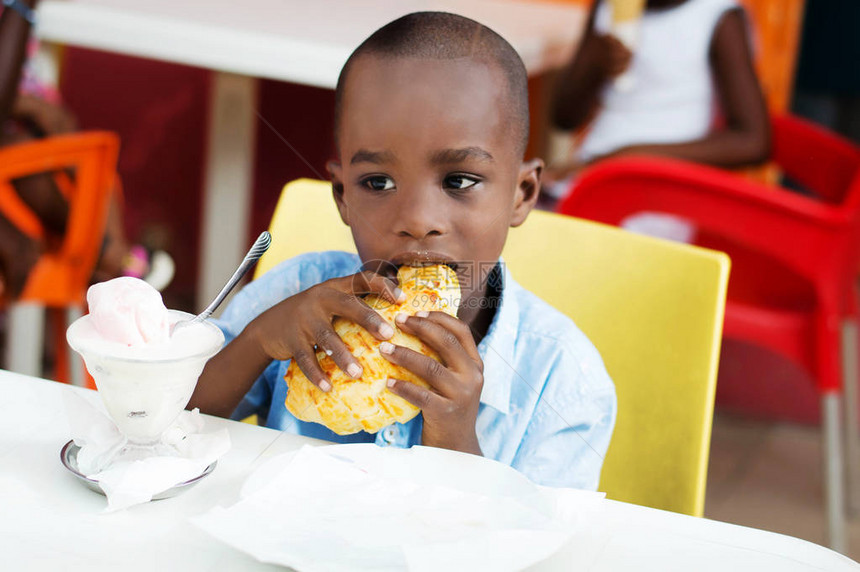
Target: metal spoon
(260, 246)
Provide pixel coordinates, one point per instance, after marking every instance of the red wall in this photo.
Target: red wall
(160, 112)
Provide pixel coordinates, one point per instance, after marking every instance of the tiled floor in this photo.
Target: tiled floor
(768, 475)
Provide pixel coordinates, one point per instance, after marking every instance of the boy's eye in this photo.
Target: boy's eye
(378, 183)
(460, 182)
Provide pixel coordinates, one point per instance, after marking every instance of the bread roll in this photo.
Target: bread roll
(366, 404)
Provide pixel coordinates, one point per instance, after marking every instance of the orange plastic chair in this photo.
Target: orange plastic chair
(777, 25)
(795, 259)
(60, 278)
(776, 39)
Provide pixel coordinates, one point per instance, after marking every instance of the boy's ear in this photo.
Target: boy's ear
(528, 190)
(335, 172)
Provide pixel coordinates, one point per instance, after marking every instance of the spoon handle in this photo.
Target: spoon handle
(260, 246)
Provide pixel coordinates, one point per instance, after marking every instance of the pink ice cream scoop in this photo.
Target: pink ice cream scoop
(128, 311)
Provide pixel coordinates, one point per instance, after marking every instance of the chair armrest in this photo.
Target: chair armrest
(799, 232)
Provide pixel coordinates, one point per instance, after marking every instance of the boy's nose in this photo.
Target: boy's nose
(420, 215)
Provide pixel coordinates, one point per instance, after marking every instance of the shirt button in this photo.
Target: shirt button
(389, 434)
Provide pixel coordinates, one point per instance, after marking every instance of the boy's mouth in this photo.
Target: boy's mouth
(422, 258)
(414, 258)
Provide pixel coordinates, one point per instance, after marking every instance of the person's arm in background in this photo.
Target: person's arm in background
(14, 32)
(745, 138)
(598, 59)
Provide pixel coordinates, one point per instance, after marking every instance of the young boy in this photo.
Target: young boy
(431, 120)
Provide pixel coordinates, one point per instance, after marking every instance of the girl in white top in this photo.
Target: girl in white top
(692, 92)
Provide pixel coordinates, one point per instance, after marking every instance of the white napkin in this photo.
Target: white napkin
(328, 512)
(129, 483)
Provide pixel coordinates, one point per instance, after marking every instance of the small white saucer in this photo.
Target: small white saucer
(69, 458)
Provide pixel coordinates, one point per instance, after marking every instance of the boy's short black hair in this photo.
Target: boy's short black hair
(440, 35)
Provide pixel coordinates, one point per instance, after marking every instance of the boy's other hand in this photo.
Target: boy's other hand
(298, 326)
(450, 408)
(613, 58)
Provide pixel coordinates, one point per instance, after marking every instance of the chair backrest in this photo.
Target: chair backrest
(654, 309)
(823, 162)
(305, 220)
(61, 277)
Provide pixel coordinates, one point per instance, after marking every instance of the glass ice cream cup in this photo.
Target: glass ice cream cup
(145, 388)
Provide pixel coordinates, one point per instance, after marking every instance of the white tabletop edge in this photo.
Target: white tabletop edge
(314, 61)
(187, 43)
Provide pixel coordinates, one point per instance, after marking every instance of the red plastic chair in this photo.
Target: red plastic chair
(795, 259)
(60, 278)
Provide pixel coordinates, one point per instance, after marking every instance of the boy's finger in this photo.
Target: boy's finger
(427, 368)
(348, 306)
(329, 342)
(418, 396)
(368, 282)
(447, 335)
(307, 362)
(368, 318)
(460, 329)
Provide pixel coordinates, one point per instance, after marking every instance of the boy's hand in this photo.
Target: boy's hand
(450, 409)
(298, 326)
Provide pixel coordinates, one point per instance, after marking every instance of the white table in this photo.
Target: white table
(287, 40)
(49, 520)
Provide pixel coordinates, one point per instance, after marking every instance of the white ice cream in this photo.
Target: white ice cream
(145, 376)
(128, 320)
(128, 311)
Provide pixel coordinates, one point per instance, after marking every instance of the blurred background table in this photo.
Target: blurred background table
(50, 520)
(285, 40)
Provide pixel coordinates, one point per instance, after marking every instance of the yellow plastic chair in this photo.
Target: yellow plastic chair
(653, 308)
(305, 220)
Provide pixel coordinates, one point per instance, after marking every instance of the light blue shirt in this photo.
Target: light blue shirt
(547, 406)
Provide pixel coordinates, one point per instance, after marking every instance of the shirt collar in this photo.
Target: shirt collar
(497, 347)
